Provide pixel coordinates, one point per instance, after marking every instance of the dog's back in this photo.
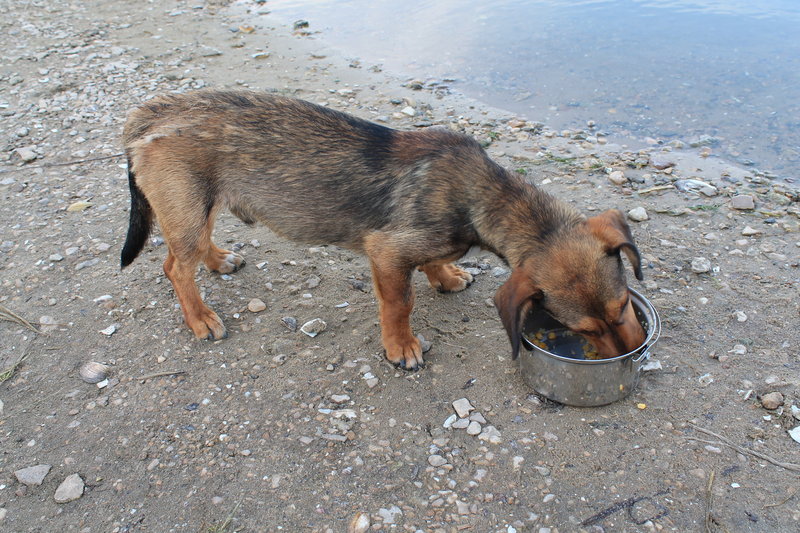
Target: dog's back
(310, 173)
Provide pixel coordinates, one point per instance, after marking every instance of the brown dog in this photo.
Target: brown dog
(407, 199)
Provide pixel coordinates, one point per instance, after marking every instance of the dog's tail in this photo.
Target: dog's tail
(140, 223)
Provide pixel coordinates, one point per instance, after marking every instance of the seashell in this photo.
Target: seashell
(94, 372)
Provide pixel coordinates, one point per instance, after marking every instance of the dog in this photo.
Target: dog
(407, 199)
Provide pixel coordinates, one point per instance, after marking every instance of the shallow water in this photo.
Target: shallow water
(667, 69)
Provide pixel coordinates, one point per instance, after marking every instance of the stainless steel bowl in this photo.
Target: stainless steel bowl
(586, 382)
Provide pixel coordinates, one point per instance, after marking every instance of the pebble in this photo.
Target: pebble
(27, 153)
(110, 330)
(463, 407)
(70, 489)
(410, 111)
(617, 177)
(693, 185)
(390, 515)
(314, 327)
(749, 232)
(32, 476)
(340, 398)
(461, 423)
(491, 434)
(638, 214)
(741, 316)
(700, 265)
(662, 160)
(359, 523)
(290, 322)
(772, 400)
(474, 428)
(795, 434)
(424, 345)
(743, 202)
(448, 423)
(436, 461)
(256, 306)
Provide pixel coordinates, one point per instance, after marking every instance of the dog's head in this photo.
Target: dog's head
(579, 279)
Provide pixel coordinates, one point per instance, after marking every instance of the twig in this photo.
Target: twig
(66, 164)
(8, 372)
(656, 189)
(709, 502)
(788, 466)
(792, 491)
(11, 316)
(161, 374)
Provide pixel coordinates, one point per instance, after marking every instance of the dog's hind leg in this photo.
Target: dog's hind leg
(223, 261)
(391, 276)
(446, 277)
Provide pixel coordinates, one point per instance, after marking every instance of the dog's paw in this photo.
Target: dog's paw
(405, 353)
(207, 325)
(448, 278)
(225, 262)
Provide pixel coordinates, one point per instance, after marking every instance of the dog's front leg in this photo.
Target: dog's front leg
(392, 280)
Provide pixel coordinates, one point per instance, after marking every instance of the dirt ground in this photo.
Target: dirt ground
(271, 430)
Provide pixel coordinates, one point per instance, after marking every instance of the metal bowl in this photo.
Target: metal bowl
(585, 382)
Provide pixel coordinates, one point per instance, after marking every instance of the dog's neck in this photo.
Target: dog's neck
(513, 218)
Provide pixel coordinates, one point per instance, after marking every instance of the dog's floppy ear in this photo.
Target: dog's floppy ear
(610, 227)
(512, 300)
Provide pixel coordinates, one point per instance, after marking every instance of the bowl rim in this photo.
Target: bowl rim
(653, 333)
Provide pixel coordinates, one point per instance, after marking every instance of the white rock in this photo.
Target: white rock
(638, 214)
(700, 265)
(741, 316)
(461, 423)
(617, 177)
(795, 434)
(462, 407)
(436, 461)
(33, 475)
(27, 153)
(408, 110)
(359, 523)
(749, 232)
(448, 423)
(314, 327)
(70, 489)
(491, 434)
(474, 428)
(389, 516)
(340, 398)
(110, 330)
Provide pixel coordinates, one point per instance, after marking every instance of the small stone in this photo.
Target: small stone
(463, 407)
(662, 160)
(491, 434)
(743, 202)
(33, 476)
(314, 327)
(340, 398)
(389, 516)
(749, 232)
(638, 214)
(795, 434)
(110, 330)
(27, 153)
(692, 185)
(617, 177)
(499, 271)
(461, 423)
(448, 423)
(87, 264)
(436, 461)
(741, 316)
(700, 265)
(313, 282)
(424, 344)
(474, 428)
(80, 205)
(70, 489)
(410, 111)
(771, 401)
(290, 322)
(55, 258)
(359, 523)
(477, 417)
(256, 306)
(372, 382)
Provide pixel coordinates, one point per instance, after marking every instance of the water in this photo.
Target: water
(667, 69)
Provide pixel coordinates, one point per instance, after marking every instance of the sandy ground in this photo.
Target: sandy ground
(271, 430)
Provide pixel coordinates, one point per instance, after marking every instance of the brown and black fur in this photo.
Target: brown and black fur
(406, 199)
